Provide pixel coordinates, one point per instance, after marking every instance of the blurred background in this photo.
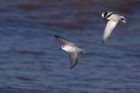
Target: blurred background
(31, 63)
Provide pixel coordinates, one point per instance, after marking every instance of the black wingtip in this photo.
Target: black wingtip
(56, 36)
(72, 67)
(103, 42)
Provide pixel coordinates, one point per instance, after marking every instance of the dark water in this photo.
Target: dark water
(31, 63)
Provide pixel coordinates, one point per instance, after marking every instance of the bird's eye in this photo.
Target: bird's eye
(122, 19)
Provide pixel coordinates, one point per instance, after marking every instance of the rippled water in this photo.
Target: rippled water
(29, 56)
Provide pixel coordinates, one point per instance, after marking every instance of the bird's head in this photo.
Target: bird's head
(123, 19)
(104, 14)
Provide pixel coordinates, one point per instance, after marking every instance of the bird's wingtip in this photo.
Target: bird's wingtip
(103, 42)
(56, 36)
(71, 67)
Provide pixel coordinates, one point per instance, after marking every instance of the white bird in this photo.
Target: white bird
(71, 48)
(113, 19)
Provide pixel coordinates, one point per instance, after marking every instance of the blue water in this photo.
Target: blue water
(31, 63)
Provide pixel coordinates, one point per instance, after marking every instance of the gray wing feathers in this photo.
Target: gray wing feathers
(109, 28)
(73, 59)
(63, 41)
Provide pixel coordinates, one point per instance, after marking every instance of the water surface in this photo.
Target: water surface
(29, 56)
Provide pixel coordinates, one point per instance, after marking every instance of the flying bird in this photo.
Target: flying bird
(113, 19)
(71, 48)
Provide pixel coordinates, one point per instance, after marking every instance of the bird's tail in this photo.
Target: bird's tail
(83, 51)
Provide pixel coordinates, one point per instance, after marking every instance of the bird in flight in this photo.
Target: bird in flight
(113, 19)
(71, 48)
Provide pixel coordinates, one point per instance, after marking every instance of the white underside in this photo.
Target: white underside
(109, 28)
(70, 48)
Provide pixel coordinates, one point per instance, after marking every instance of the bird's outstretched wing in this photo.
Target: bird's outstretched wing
(63, 41)
(108, 29)
(73, 59)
